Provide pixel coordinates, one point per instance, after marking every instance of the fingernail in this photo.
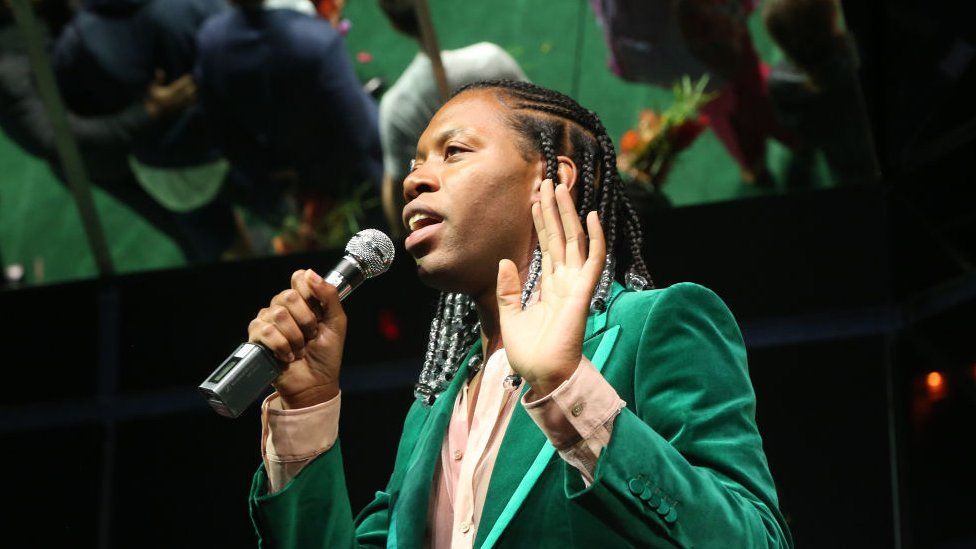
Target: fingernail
(290, 357)
(313, 276)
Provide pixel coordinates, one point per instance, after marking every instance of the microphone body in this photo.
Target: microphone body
(346, 276)
(246, 373)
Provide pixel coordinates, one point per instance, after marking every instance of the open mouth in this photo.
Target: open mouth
(421, 220)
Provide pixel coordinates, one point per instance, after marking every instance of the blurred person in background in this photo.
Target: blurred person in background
(817, 85)
(280, 91)
(104, 141)
(412, 101)
(104, 59)
(658, 42)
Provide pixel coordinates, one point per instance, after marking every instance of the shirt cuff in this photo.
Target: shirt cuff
(291, 438)
(582, 408)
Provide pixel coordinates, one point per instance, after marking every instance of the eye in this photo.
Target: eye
(413, 165)
(452, 150)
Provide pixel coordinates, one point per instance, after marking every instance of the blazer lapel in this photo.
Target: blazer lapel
(519, 449)
(525, 452)
(523, 455)
(409, 514)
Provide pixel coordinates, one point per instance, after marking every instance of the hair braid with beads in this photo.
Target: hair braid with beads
(549, 124)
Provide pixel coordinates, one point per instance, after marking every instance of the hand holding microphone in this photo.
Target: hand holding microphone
(296, 342)
(305, 328)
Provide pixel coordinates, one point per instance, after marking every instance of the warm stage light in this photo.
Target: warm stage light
(934, 380)
(389, 325)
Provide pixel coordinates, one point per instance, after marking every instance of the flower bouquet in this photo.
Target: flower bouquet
(648, 150)
(325, 223)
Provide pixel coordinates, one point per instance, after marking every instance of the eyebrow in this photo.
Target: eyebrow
(442, 138)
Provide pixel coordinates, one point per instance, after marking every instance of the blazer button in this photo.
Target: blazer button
(664, 508)
(671, 516)
(465, 527)
(654, 499)
(636, 486)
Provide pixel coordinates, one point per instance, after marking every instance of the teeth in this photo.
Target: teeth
(416, 218)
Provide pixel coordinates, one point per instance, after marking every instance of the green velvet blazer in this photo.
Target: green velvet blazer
(685, 465)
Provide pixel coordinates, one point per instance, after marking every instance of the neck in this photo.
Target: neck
(491, 332)
(486, 303)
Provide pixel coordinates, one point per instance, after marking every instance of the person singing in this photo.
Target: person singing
(556, 406)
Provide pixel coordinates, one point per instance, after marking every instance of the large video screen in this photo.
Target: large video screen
(213, 131)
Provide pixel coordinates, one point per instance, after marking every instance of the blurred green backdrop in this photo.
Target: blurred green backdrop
(557, 42)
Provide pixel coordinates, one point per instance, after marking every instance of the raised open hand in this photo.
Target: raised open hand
(544, 342)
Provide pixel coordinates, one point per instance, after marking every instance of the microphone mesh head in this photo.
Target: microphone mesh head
(373, 249)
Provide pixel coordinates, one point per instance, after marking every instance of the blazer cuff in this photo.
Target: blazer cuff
(582, 408)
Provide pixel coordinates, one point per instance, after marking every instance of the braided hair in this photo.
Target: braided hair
(549, 124)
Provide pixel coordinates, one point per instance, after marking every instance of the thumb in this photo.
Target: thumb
(507, 289)
(332, 312)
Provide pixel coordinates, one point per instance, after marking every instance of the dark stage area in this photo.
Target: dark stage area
(840, 340)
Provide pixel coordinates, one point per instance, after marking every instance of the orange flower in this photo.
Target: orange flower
(629, 141)
(280, 246)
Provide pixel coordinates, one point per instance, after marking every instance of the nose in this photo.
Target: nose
(421, 180)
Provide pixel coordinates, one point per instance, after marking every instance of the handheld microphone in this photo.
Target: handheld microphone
(243, 376)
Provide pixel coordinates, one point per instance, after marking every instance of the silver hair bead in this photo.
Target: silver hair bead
(475, 363)
(451, 351)
(634, 281)
(599, 302)
(431, 342)
(453, 331)
(535, 270)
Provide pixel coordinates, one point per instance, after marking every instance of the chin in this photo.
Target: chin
(432, 273)
(445, 277)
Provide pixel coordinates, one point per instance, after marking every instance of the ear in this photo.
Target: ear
(566, 173)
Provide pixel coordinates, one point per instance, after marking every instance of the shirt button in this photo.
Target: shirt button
(458, 455)
(577, 409)
(465, 527)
